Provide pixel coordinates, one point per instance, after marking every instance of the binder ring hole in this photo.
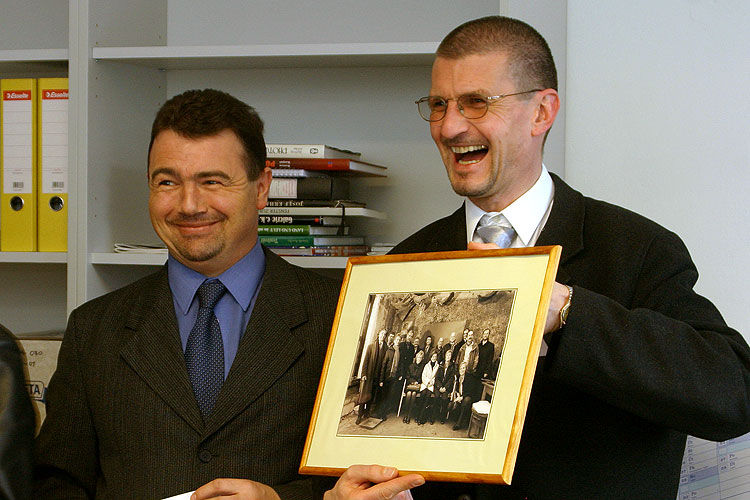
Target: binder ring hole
(16, 203)
(56, 203)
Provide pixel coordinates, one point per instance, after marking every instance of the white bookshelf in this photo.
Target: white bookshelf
(348, 79)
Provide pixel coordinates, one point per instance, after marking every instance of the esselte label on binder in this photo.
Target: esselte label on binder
(18, 200)
(54, 132)
(53, 165)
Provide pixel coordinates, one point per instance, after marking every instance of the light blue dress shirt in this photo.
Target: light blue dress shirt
(233, 310)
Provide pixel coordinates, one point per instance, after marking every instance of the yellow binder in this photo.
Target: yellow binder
(18, 214)
(52, 172)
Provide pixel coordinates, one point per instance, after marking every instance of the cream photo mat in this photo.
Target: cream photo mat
(529, 271)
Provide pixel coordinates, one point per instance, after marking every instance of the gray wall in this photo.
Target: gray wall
(657, 122)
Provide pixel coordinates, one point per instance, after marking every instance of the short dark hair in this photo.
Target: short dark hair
(529, 57)
(203, 113)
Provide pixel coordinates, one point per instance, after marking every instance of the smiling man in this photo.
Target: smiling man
(633, 351)
(168, 384)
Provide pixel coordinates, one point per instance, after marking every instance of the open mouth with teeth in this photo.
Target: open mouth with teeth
(466, 155)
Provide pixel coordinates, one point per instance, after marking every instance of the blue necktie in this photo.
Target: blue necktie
(204, 353)
(495, 229)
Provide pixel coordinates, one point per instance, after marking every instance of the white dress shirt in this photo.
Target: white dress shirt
(527, 214)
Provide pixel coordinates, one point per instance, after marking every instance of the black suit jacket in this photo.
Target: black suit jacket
(17, 423)
(122, 420)
(486, 354)
(642, 361)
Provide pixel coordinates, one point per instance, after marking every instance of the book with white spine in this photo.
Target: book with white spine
(308, 151)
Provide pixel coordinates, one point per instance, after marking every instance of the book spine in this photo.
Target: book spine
(303, 229)
(310, 188)
(333, 166)
(295, 150)
(310, 240)
(284, 230)
(299, 220)
(287, 241)
(308, 151)
(327, 164)
(304, 203)
(340, 250)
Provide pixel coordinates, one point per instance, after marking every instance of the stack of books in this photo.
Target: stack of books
(309, 196)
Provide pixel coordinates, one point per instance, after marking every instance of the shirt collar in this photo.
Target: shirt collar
(241, 280)
(526, 214)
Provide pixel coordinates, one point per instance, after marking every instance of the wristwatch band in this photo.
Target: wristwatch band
(566, 308)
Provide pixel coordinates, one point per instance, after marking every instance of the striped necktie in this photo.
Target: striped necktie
(495, 229)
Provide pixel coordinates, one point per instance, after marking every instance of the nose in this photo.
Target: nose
(191, 199)
(453, 123)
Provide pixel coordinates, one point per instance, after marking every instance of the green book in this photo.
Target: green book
(308, 241)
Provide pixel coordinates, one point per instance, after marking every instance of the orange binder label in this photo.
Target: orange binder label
(17, 95)
(55, 94)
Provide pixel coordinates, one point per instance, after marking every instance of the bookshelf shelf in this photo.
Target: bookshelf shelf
(34, 257)
(144, 259)
(318, 262)
(129, 259)
(33, 60)
(271, 56)
(34, 55)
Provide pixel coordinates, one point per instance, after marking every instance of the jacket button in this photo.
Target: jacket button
(205, 456)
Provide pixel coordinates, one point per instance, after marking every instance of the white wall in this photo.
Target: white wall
(657, 110)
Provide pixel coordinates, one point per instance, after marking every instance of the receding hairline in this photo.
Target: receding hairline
(527, 53)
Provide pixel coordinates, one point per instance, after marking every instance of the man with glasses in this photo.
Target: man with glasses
(635, 359)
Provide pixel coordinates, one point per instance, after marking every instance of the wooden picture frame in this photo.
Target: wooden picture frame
(507, 291)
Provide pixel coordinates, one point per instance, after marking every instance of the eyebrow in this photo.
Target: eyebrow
(482, 92)
(200, 175)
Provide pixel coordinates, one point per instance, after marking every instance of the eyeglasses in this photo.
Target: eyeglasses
(433, 107)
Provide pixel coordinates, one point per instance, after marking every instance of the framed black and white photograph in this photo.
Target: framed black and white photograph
(431, 362)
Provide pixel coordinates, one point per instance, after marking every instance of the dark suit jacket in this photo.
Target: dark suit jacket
(486, 354)
(122, 420)
(17, 423)
(642, 361)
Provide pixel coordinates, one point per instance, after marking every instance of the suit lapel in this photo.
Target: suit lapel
(564, 225)
(267, 348)
(454, 235)
(154, 351)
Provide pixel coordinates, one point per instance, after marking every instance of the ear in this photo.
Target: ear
(263, 184)
(548, 105)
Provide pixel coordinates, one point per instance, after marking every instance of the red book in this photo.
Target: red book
(340, 166)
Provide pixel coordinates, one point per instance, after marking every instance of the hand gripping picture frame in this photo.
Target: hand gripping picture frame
(431, 362)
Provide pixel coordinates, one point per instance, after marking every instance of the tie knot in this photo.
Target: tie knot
(209, 293)
(495, 229)
(494, 220)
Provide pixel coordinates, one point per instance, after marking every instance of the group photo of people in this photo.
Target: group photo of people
(426, 364)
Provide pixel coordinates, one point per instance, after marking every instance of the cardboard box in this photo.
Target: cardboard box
(39, 355)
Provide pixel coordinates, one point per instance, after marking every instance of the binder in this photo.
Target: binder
(52, 168)
(18, 204)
